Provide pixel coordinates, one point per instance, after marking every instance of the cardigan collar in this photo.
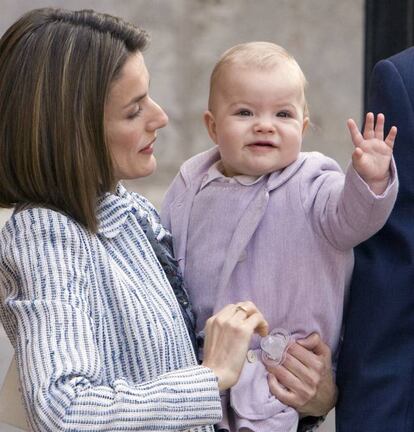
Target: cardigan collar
(198, 166)
(215, 173)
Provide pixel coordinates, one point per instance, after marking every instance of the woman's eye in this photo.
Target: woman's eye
(244, 113)
(135, 114)
(284, 114)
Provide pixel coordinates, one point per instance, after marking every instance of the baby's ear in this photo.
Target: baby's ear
(305, 125)
(210, 125)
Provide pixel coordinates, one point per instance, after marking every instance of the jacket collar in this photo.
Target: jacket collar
(196, 167)
(214, 173)
(113, 210)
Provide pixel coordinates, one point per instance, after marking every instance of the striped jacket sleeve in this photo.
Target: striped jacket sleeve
(59, 363)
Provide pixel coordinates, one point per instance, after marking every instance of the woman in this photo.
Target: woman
(100, 339)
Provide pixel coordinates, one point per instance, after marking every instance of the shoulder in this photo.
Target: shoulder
(392, 85)
(41, 219)
(316, 163)
(403, 61)
(39, 248)
(38, 228)
(319, 174)
(308, 167)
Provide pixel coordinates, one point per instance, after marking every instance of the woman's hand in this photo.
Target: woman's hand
(227, 338)
(305, 380)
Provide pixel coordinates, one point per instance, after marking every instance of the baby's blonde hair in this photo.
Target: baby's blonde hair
(262, 55)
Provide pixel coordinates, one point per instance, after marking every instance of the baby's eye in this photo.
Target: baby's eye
(244, 113)
(284, 114)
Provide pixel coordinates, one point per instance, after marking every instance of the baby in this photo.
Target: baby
(255, 218)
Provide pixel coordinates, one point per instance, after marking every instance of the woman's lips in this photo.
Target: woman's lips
(149, 148)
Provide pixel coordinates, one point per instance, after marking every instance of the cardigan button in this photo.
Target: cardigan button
(251, 356)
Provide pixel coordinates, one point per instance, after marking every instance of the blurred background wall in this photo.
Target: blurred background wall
(325, 36)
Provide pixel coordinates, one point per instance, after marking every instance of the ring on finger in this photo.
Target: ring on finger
(241, 308)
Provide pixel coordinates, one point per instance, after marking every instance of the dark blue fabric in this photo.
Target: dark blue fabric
(376, 364)
(164, 251)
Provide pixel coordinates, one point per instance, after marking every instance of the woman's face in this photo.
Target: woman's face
(131, 121)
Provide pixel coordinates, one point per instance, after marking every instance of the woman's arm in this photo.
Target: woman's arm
(62, 367)
(305, 381)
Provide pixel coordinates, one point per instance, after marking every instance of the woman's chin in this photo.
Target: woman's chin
(143, 170)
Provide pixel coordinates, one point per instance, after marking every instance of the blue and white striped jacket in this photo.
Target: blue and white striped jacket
(99, 338)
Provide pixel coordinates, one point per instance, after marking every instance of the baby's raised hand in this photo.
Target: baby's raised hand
(372, 155)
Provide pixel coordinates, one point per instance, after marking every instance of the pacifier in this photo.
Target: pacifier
(274, 346)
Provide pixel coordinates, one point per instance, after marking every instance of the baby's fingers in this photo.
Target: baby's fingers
(391, 137)
(379, 127)
(355, 133)
(369, 126)
(357, 156)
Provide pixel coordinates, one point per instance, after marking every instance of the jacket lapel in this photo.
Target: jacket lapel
(242, 235)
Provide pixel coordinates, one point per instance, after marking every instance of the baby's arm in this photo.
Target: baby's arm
(372, 155)
(343, 209)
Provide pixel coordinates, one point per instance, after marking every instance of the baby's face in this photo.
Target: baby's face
(257, 119)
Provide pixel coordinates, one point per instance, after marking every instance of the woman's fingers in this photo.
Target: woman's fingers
(228, 335)
(251, 317)
(258, 324)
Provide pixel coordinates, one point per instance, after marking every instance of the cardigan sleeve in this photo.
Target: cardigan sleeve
(46, 269)
(342, 208)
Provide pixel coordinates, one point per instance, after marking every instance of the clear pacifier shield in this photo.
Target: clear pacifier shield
(274, 344)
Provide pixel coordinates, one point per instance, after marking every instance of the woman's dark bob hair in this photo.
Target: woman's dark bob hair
(56, 69)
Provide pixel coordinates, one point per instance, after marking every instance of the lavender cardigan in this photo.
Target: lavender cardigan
(291, 252)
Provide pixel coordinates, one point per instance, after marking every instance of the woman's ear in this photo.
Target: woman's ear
(210, 125)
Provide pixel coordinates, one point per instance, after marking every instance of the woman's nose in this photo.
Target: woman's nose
(158, 119)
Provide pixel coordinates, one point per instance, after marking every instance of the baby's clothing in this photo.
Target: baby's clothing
(283, 241)
(260, 411)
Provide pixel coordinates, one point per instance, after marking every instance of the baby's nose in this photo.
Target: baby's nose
(265, 126)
